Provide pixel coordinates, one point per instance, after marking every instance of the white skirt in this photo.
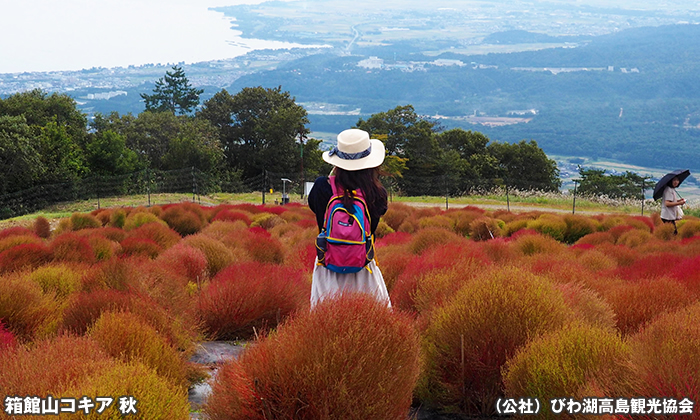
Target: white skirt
(326, 283)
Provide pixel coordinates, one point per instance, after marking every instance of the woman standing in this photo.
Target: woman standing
(670, 208)
(356, 159)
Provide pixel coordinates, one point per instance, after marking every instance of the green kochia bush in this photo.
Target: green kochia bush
(84, 221)
(578, 227)
(484, 324)
(127, 337)
(350, 358)
(550, 225)
(577, 361)
(157, 398)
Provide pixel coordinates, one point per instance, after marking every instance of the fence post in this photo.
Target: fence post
(574, 209)
(447, 192)
(264, 184)
(148, 185)
(98, 192)
(507, 197)
(642, 196)
(194, 184)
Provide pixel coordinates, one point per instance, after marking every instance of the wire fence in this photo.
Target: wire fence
(191, 180)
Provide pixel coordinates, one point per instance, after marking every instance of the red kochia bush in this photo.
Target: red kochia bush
(263, 247)
(16, 231)
(7, 339)
(251, 295)
(396, 238)
(636, 304)
(83, 309)
(650, 266)
(392, 261)
(115, 273)
(141, 246)
(185, 260)
(183, 219)
(688, 274)
(24, 255)
(161, 234)
(350, 358)
(596, 238)
(429, 279)
(71, 247)
(231, 216)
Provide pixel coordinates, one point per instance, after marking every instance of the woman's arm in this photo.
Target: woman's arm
(670, 203)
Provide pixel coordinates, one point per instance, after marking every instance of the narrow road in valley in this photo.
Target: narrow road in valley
(357, 35)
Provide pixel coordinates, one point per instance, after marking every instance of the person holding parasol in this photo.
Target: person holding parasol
(671, 203)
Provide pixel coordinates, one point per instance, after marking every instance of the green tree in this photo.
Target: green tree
(106, 154)
(20, 163)
(402, 127)
(411, 137)
(62, 159)
(259, 129)
(595, 182)
(525, 166)
(149, 135)
(173, 93)
(467, 157)
(196, 144)
(40, 109)
(162, 140)
(313, 158)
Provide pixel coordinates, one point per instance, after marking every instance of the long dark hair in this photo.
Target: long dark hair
(366, 180)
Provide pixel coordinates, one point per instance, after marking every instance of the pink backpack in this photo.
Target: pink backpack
(346, 244)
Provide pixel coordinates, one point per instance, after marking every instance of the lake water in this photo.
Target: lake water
(48, 35)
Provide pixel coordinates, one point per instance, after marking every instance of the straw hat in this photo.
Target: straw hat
(355, 151)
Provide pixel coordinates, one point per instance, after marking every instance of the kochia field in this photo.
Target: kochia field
(487, 306)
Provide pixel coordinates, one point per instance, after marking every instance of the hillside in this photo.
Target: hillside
(630, 96)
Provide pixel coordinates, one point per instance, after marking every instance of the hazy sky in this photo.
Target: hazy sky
(45, 35)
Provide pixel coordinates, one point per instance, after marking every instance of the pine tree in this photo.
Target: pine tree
(173, 93)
